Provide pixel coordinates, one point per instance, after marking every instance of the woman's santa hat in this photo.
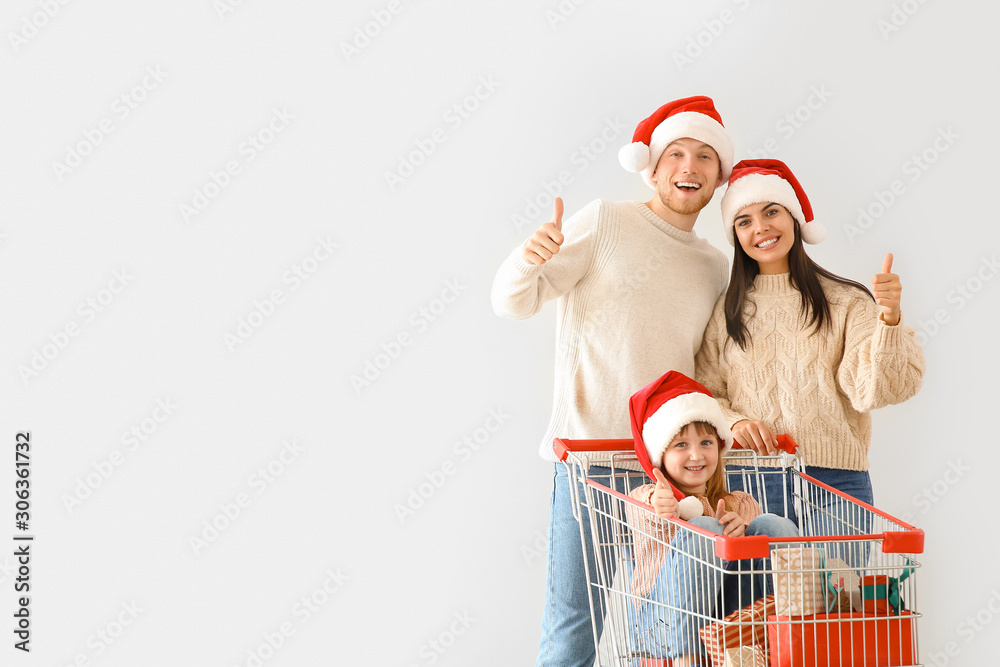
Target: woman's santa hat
(760, 181)
(661, 410)
(691, 117)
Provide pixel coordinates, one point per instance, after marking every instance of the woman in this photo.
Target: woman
(792, 348)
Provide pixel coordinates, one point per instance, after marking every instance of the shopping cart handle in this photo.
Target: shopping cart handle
(739, 548)
(562, 446)
(785, 442)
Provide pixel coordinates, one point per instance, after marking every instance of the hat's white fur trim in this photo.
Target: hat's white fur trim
(761, 188)
(663, 425)
(693, 125)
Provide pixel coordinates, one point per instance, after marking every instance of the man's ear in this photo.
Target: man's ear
(718, 181)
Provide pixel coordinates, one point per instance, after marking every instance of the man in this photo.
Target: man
(635, 288)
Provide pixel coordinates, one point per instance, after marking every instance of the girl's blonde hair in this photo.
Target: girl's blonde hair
(715, 487)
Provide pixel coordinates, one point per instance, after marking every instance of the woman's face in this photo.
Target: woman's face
(766, 231)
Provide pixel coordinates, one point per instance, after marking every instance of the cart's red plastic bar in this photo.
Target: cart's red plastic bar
(910, 540)
(726, 548)
(644, 506)
(758, 546)
(563, 446)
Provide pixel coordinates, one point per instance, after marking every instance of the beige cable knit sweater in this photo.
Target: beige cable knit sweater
(816, 386)
(634, 294)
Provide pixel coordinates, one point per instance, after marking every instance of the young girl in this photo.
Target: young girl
(792, 348)
(680, 436)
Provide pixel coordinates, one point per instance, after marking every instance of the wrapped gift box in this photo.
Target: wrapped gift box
(847, 584)
(801, 587)
(881, 594)
(832, 640)
(745, 627)
(745, 656)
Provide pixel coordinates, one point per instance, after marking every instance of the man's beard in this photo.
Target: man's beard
(688, 206)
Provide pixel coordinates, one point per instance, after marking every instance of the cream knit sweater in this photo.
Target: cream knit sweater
(634, 294)
(816, 386)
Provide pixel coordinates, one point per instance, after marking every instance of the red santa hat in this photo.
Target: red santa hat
(759, 181)
(692, 117)
(661, 410)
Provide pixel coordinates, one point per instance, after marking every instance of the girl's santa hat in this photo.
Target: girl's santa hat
(760, 181)
(660, 410)
(692, 117)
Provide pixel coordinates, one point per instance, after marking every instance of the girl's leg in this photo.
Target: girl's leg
(683, 598)
(772, 526)
(772, 488)
(749, 585)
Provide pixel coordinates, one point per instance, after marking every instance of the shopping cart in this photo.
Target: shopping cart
(841, 593)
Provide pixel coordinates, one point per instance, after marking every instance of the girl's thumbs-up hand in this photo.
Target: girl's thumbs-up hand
(663, 501)
(732, 521)
(887, 291)
(545, 242)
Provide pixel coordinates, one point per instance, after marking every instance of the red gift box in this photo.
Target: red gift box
(832, 640)
(743, 627)
(881, 594)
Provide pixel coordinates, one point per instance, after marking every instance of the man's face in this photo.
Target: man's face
(686, 176)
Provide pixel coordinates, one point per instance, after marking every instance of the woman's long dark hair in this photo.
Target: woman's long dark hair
(805, 275)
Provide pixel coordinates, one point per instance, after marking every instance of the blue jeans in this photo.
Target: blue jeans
(691, 580)
(567, 634)
(827, 513)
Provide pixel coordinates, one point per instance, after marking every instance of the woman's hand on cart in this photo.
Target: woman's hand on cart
(734, 525)
(755, 436)
(663, 501)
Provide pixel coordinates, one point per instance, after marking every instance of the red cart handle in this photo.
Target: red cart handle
(563, 446)
(785, 442)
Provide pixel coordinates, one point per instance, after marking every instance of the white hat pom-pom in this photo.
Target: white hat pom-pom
(634, 157)
(689, 508)
(813, 232)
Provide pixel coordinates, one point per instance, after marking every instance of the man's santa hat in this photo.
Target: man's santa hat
(691, 117)
(760, 181)
(661, 410)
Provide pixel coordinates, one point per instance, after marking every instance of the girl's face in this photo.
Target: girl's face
(691, 458)
(766, 232)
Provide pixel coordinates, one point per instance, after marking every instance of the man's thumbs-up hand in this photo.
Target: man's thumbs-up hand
(545, 242)
(887, 291)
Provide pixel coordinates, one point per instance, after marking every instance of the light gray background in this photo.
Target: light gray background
(466, 569)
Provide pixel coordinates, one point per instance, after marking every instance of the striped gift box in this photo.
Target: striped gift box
(746, 627)
(745, 656)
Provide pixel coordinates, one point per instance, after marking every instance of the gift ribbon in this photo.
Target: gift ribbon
(831, 593)
(831, 590)
(889, 590)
